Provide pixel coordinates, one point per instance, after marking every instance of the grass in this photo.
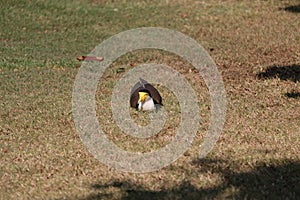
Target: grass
(256, 47)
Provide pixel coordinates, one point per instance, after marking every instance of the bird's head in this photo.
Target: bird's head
(143, 96)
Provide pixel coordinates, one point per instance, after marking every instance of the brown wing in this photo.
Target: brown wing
(134, 94)
(154, 94)
(134, 98)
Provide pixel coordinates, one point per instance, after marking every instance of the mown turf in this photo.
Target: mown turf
(256, 47)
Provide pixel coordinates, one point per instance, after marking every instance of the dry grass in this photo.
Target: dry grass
(256, 47)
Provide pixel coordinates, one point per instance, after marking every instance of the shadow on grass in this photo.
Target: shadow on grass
(294, 9)
(294, 95)
(263, 182)
(290, 72)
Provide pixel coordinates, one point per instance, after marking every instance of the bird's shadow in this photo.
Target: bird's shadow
(265, 181)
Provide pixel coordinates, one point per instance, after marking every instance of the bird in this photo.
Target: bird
(145, 97)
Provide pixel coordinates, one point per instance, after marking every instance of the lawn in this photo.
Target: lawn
(255, 45)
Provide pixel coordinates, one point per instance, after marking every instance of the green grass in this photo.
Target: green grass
(256, 47)
(53, 32)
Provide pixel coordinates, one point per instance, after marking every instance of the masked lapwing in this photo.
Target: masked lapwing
(144, 96)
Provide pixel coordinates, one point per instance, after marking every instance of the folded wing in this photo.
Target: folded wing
(144, 86)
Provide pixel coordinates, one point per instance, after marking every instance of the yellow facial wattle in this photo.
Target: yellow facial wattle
(142, 96)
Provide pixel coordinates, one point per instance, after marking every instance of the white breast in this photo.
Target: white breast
(148, 104)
